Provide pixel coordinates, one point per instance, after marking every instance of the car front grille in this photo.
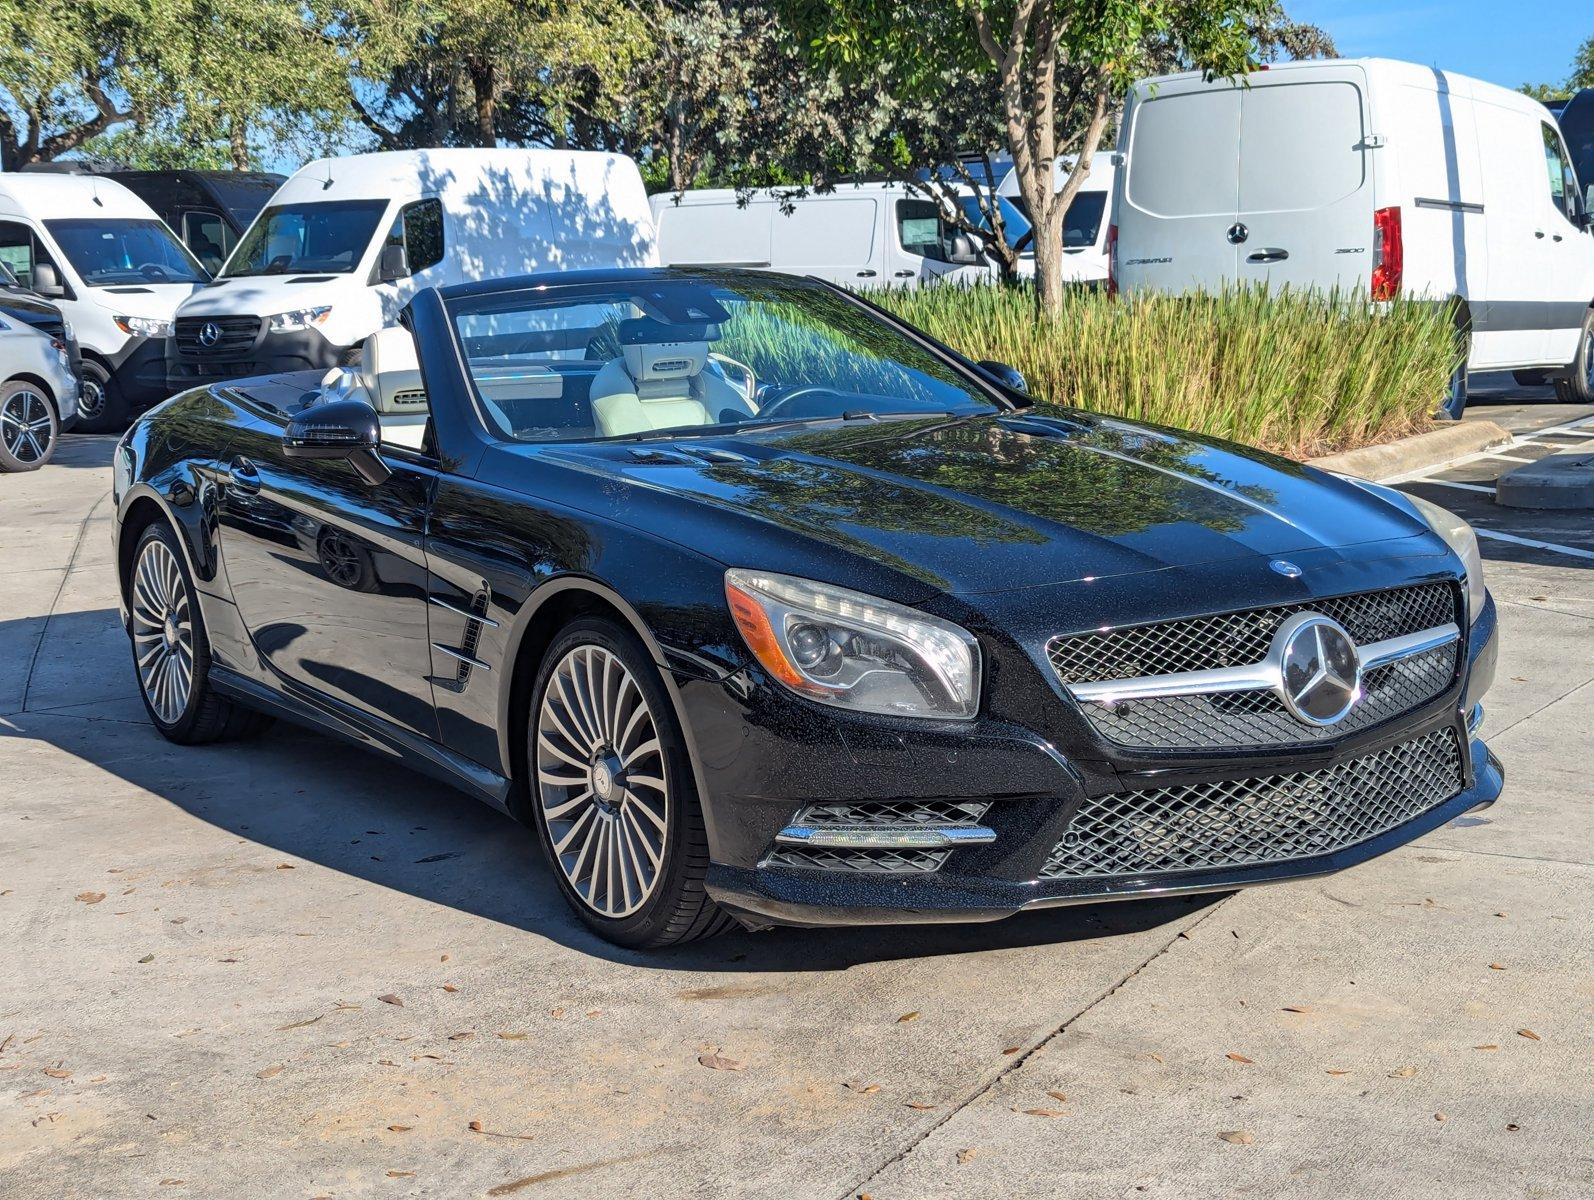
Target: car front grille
(1246, 822)
(235, 336)
(1235, 720)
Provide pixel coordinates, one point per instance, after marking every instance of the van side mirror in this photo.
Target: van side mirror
(394, 263)
(47, 280)
(339, 429)
(962, 251)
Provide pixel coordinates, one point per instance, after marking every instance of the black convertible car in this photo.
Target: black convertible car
(760, 605)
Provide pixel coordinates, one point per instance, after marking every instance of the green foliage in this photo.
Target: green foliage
(1297, 373)
(1581, 76)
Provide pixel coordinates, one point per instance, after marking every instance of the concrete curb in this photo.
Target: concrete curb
(1418, 452)
(1564, 481)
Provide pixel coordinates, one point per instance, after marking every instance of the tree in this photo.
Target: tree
(1582, 76)
(1058, 67)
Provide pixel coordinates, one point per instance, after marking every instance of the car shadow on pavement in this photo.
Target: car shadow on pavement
(315, 799)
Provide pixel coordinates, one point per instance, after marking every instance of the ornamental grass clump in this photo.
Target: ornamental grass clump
(1298, 373)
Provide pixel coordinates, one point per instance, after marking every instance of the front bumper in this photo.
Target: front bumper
(1036, 794)
(139, 372)
(270, 354)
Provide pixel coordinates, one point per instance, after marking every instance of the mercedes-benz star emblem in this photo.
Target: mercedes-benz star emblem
(209, 333)
(1286, 568)
(1238, 233)
(1320, 672)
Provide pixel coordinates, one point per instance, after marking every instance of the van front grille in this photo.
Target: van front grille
(216, 337)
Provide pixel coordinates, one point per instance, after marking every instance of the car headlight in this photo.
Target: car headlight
(299, 318)
(144, 326)
(854, 651)
(1459, 536)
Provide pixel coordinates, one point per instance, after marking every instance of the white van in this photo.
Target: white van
(863, 235)
(1371, 174)
(116, 272)
(345, 242)
(1085, 224)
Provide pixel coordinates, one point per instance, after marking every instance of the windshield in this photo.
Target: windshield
(327, 237)
(1081, 223)
(111, 250)
(678, 357)
(1013, 218)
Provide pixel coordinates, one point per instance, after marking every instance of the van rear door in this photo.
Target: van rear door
(1181, 187)
(832, 236)
(1306, 182)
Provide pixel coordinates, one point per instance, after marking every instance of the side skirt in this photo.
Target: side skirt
(325, 715)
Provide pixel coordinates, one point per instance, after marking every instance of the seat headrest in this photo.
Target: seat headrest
(391, 372)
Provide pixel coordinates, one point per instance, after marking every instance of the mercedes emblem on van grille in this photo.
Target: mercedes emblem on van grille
(209, 333)
(1320, 671)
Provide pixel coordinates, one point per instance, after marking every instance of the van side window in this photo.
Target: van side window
(423, 233)
(16, 250)
(1563, 184)
(920, 230)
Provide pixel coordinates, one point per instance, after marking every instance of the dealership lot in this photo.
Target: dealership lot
(290, 968)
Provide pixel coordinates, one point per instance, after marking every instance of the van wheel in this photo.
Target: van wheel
(101, 406)
(1578, 385)
(1455, 401)
(28, 427)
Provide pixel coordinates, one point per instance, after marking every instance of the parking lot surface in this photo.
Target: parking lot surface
(284, 968)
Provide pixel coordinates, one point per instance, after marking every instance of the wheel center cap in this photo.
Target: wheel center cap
(607, 784)
(169, 631)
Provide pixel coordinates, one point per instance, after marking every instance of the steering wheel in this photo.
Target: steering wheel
(153, 272)
(786, 396)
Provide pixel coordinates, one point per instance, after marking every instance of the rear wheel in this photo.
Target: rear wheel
(101, 406)
(1578, 385)
(612, 793)
(171, 654)
(29, 427)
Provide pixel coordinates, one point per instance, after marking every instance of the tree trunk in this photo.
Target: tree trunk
(238, 140)
(484, 81)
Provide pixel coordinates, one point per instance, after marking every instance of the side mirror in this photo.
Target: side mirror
(394, 263)
(339, 429)
(1008, 377)
(47, 280)
(963, 252)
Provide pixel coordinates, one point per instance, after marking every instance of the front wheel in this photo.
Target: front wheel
(101, 407)
(28, 427)
(1578, 386)
(171, 653)
(612, 794)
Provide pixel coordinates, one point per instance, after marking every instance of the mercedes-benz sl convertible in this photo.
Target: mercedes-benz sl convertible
(759, 604)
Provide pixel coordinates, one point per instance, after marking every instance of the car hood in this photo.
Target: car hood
(986, 504)
(27, 307)
(157, 300)
(264, 294)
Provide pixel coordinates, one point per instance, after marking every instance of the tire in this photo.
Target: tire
(171, 655)
(101, 406)
(1455, 401)
(611, 803)
(1578, 385)
(29, 426)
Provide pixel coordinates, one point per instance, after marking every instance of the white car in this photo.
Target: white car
(117, 273)
(346, 243)
(38, 395)
(1385, 177)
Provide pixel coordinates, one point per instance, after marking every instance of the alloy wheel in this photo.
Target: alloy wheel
(26, 427)
(602, 785)
(163, 632)
(91, 397)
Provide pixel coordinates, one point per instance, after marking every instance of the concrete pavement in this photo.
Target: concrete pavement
(205, 946)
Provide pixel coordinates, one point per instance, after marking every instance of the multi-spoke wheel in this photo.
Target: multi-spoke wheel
(611, 792)
(170, 651)
(163, 631)
(101, 407)
(28, 427)
(1577, 386)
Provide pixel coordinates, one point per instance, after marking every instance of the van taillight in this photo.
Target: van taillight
(1389, 255)
(1112, 260)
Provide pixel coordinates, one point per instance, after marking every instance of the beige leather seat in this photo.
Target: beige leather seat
(389, 378)
(661, 385)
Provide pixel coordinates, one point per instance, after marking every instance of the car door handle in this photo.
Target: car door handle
(903, 274)
(243, 476)
(1538, 233)
(1555, 237)
(1269, 254)
(865, 274)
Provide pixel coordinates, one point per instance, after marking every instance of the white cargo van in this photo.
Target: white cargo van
(863, 235)
(1384, 176)
(116, 272)
(1085, 224)
(345, 242)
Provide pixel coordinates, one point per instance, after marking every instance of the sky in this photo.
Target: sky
(1509, 43)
